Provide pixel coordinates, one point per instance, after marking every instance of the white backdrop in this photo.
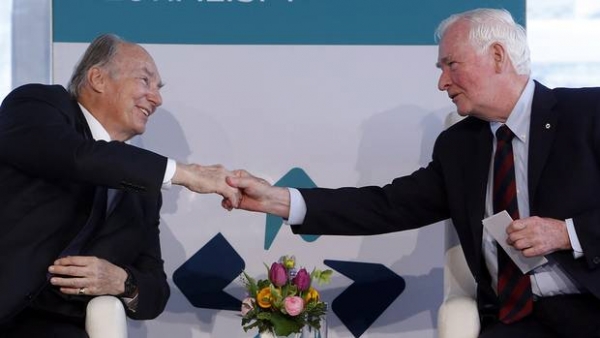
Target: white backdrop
(355, 108)
(340, 113)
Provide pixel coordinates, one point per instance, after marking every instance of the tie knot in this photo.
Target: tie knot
(504, 134)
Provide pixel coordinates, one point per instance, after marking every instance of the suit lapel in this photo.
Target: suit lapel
(114, 195)
(477, 177)
(541, 136)
(80, 123)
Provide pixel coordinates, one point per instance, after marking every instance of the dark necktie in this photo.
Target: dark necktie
(96, 217)
(514, 288)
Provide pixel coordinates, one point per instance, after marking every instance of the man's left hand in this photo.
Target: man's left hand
(87, 275)
(536, 236)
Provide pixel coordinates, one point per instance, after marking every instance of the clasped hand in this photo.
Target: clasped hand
(207, 179)
(258, 195)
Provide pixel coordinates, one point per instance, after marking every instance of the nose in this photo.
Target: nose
(155, 98)
(444, 81)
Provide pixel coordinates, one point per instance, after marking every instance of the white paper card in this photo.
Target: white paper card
(496, 226)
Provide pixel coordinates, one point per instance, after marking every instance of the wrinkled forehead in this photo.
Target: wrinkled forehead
(454, 40)
(135, 58)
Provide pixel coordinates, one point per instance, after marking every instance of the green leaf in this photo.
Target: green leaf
(263, 283)
(284, 325)
(250, 284)
(322, 277)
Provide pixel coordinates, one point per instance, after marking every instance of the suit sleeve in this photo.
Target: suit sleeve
(153, 290)
(41, 134)
(587, 224)
(408, 202)
(148, 270)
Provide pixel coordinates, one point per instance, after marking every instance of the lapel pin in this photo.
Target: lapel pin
(548, 126)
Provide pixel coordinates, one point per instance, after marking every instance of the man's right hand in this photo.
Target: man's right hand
(258, 195)
(206, 180)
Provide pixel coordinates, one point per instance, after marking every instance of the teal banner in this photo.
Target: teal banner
(264, 22)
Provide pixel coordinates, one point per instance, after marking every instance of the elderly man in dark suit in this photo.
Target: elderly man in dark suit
(547, 176)
(79, 207)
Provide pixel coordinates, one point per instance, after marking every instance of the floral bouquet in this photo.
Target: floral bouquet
(285, 302)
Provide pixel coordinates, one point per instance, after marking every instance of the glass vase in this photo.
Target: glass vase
(311, 332)
(269, 334)
(321, 332)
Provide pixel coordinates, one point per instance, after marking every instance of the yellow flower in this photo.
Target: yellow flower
(288, 261)
(311, 295)
(264, 298)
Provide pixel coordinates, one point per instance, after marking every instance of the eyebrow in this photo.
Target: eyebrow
(152, 74)
(442, 61)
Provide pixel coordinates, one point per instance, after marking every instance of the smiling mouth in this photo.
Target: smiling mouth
(145, 112)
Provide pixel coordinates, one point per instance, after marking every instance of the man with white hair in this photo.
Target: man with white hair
(523, 148)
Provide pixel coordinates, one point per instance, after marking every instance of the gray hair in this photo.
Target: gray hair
(489, 26)
(99, 54)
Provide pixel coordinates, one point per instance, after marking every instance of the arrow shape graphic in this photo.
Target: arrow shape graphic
(203, 277)
(375, 288)
(295, 178)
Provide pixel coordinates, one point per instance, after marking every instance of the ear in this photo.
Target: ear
(97, 79)
(500, 57)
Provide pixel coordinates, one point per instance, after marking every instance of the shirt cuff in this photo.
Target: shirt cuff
(169, 173)
(577, 250)
(297, 207)
(131, 303)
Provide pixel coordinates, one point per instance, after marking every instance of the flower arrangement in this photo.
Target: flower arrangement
(286, 301)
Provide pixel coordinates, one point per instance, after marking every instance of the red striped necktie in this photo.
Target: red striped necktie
(514, 288)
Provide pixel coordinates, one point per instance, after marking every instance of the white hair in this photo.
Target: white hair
(489, 26)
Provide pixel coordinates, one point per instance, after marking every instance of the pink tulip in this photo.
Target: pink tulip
(293, 305)
(278, 274)
(302, 280)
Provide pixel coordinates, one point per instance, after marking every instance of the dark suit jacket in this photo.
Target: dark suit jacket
(49, 168)
(563, 179)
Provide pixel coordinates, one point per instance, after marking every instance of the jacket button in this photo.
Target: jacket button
(29, 296)
(596, 260)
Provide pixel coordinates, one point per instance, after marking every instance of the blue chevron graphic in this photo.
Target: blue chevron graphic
(375, 288)
(295, 178)
(203, 277)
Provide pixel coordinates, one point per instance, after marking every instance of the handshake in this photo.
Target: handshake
(239, 188)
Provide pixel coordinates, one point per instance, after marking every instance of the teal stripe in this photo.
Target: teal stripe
(273, 22)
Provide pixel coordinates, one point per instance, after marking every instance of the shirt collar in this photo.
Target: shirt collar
(98, 131)
(519, 118)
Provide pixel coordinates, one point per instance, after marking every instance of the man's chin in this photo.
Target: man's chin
(139, 130)
(462, 112)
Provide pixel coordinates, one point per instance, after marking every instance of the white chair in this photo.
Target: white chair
(105, 318)
(458, 316)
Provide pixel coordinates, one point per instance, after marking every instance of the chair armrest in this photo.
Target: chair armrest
(105, 317)
(458, 318)
(458, 280)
